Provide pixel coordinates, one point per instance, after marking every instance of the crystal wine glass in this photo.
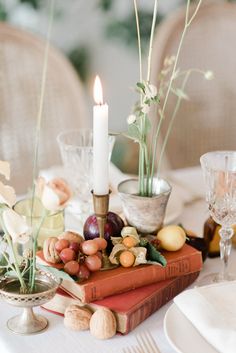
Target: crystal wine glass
(219, 169)
(76, 147)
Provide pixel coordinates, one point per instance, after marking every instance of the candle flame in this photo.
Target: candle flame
(97, 91)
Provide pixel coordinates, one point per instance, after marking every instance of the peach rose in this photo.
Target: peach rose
(54, 194)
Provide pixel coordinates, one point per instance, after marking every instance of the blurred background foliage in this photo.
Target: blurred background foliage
(120, 28)
(97, 36)
(116, 27)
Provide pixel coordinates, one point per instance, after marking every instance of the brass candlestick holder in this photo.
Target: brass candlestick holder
(101, 207)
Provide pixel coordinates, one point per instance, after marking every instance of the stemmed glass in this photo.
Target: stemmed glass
(76, 147)
(219, 169)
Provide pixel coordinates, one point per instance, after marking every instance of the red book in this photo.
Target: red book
(103, 284)
(130, 308)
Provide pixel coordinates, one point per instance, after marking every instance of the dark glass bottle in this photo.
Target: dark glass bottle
(212, 237)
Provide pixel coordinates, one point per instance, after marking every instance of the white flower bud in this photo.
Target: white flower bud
(145, 108)
(209, 75)
(16, 226)
(131, 119)
(150, 91)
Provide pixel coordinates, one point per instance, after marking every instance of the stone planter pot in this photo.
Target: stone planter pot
(144, 213)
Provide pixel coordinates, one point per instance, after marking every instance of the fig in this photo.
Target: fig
(113, 227)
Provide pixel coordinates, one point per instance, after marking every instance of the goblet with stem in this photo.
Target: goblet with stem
(219, 169)
(76, 147)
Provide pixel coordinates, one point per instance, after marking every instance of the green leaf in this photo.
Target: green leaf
(156, 99)
(57, 273)
(147, 101)
(140, 85)
(134, 133)
(153, 255)
(3, 260)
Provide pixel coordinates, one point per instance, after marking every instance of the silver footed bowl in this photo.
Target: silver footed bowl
(27, 322)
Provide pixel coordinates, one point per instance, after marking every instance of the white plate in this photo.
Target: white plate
(182, 335)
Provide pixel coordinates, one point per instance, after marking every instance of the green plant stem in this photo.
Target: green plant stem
(165, 102)
(194, 14)
(139, 171)
(30, 262)
(16, 265)
(26, 269)
(141, 156)
(171, 123)
(148, 191)
(184, 72)
(154, 17)
(35, 243)
(147, 167)
(9, 265)
(139, 45)
(41, 102)
(187, 23)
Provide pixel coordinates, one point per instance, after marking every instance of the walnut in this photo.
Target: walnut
(77, 318)
(103, 324)
(72, 237)
(49, 252)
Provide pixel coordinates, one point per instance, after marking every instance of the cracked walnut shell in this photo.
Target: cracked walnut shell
(71, 236)
(77, 318)
(103, 324)
(49, 252)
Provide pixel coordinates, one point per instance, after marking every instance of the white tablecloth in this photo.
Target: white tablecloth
(57, 339)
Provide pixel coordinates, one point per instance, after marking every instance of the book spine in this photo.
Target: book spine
(157, 300)
(126, 281)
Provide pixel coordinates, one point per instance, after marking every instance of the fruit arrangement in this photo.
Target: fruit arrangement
(132, 250)
(113, 228)
(78, 257)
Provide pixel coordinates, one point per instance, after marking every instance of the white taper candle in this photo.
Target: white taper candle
(100, 142)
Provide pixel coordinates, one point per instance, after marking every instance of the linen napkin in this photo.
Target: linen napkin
(188, 182)
(212, 311)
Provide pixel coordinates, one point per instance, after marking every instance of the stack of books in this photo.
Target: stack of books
(132, 293)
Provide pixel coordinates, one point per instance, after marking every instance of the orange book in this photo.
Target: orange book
(103, 284)
(130, 308)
